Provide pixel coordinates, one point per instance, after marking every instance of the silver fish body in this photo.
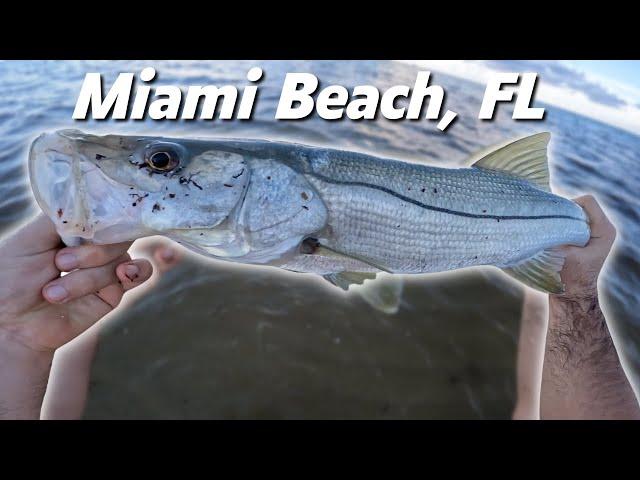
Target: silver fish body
(300, 208)
(412, 218)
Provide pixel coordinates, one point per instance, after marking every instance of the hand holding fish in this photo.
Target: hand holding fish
(43, 310)
(582, 265)
(568, 366)
(40, 310)
(582, 376)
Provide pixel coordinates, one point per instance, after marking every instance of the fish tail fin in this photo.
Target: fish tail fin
(525, 158)
(542, 271)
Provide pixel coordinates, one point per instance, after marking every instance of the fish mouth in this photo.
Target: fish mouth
(55, 174)
(83, 201)
(68, 187)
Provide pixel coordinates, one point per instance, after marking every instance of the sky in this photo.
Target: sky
(606, 90)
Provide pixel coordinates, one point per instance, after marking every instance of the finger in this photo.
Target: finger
(88, 256)
(134, 273)
(37, 236)
(82, 282)
(86, 311)
(111, 294)
(600, 225)
(591, 206)
(164, 254)
(166, 257)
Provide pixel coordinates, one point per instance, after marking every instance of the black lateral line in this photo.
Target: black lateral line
(441, 209)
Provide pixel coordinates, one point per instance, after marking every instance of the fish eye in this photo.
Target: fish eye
(163, 160)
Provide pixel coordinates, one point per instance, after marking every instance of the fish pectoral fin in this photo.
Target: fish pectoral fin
(541, 272)
(330, 252)
(345, 279)
(525, 158)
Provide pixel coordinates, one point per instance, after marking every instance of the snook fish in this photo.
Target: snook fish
(338, 214)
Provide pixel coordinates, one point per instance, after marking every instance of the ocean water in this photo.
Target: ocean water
(210, 341)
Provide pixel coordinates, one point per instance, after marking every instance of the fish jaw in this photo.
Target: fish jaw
(71, 190)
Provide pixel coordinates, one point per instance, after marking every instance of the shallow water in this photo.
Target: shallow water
(217, 342)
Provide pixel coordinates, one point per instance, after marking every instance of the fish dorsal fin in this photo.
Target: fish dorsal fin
(345, 279)
(541, 271)
(525, 158)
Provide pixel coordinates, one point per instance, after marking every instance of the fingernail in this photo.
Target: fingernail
(131, 271)
(67, 261)
(56, 293)
(167, 254)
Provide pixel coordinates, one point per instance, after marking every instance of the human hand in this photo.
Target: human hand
(68, 387)
(582, 376)
(583, 264)
(42, 310)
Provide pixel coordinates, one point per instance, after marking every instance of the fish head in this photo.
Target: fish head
(113, 188)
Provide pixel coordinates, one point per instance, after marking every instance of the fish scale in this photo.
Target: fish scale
(409, 238)
(480, 241)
